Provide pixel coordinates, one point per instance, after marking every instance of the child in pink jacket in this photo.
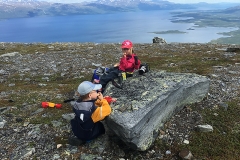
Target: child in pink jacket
(128, 63)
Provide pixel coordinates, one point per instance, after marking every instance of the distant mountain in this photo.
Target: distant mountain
(136, 5)
(33, 8)
(235, 10)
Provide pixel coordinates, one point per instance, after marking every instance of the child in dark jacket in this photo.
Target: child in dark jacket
(89, 109)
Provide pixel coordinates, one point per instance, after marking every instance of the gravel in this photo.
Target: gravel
(20, 139)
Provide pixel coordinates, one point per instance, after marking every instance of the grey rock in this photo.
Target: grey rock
(56, 123)
(28, 152)
(168, 152)
(224, 105)
(97, 65)
(159, 40)
(229, 55)
(2, 110)
(42, 84)
(2, 71)
(205, 128)
(38, 111)
(146, 102)
(2, 123)
(11, 85)
(12, 54)
(185, 154)
(68, 116)
(56, 156)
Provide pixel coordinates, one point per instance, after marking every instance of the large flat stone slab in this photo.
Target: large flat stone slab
(146, 102)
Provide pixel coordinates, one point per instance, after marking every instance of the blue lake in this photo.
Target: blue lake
(104, 28)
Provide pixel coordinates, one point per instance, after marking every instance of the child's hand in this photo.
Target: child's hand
(116, 65)
(100, 96)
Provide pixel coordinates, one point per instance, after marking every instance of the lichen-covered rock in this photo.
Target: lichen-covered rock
(146, 102)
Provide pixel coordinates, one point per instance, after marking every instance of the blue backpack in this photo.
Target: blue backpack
(98, 73)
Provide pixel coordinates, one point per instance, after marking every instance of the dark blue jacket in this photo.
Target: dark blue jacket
(83, 126)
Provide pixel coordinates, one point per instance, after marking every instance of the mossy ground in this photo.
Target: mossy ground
(222, 143)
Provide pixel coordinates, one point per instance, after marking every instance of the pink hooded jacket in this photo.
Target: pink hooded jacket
(127, 64)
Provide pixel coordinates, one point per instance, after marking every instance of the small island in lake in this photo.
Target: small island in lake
(170, 32)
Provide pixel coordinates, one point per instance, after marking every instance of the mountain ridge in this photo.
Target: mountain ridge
(34, 8)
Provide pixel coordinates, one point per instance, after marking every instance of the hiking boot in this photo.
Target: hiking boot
(117, 84)
(74, 141)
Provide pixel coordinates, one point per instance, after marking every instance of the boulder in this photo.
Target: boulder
(205, 128)
(147, 101)
(159, 40)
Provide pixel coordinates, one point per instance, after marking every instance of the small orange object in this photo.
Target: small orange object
(44, 104)
(58, 105)
(50, 104)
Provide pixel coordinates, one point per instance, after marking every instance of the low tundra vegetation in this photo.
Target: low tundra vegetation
(222, 143)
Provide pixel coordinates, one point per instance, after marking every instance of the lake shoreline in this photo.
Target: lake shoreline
(80, 28)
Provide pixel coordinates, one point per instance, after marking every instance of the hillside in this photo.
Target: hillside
(16, 9)
(33, 8)
(33, 73)
(214, 18)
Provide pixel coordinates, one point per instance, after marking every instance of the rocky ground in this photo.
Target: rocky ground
(22, 139)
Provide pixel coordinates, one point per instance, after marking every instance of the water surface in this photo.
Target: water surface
(104, 28)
